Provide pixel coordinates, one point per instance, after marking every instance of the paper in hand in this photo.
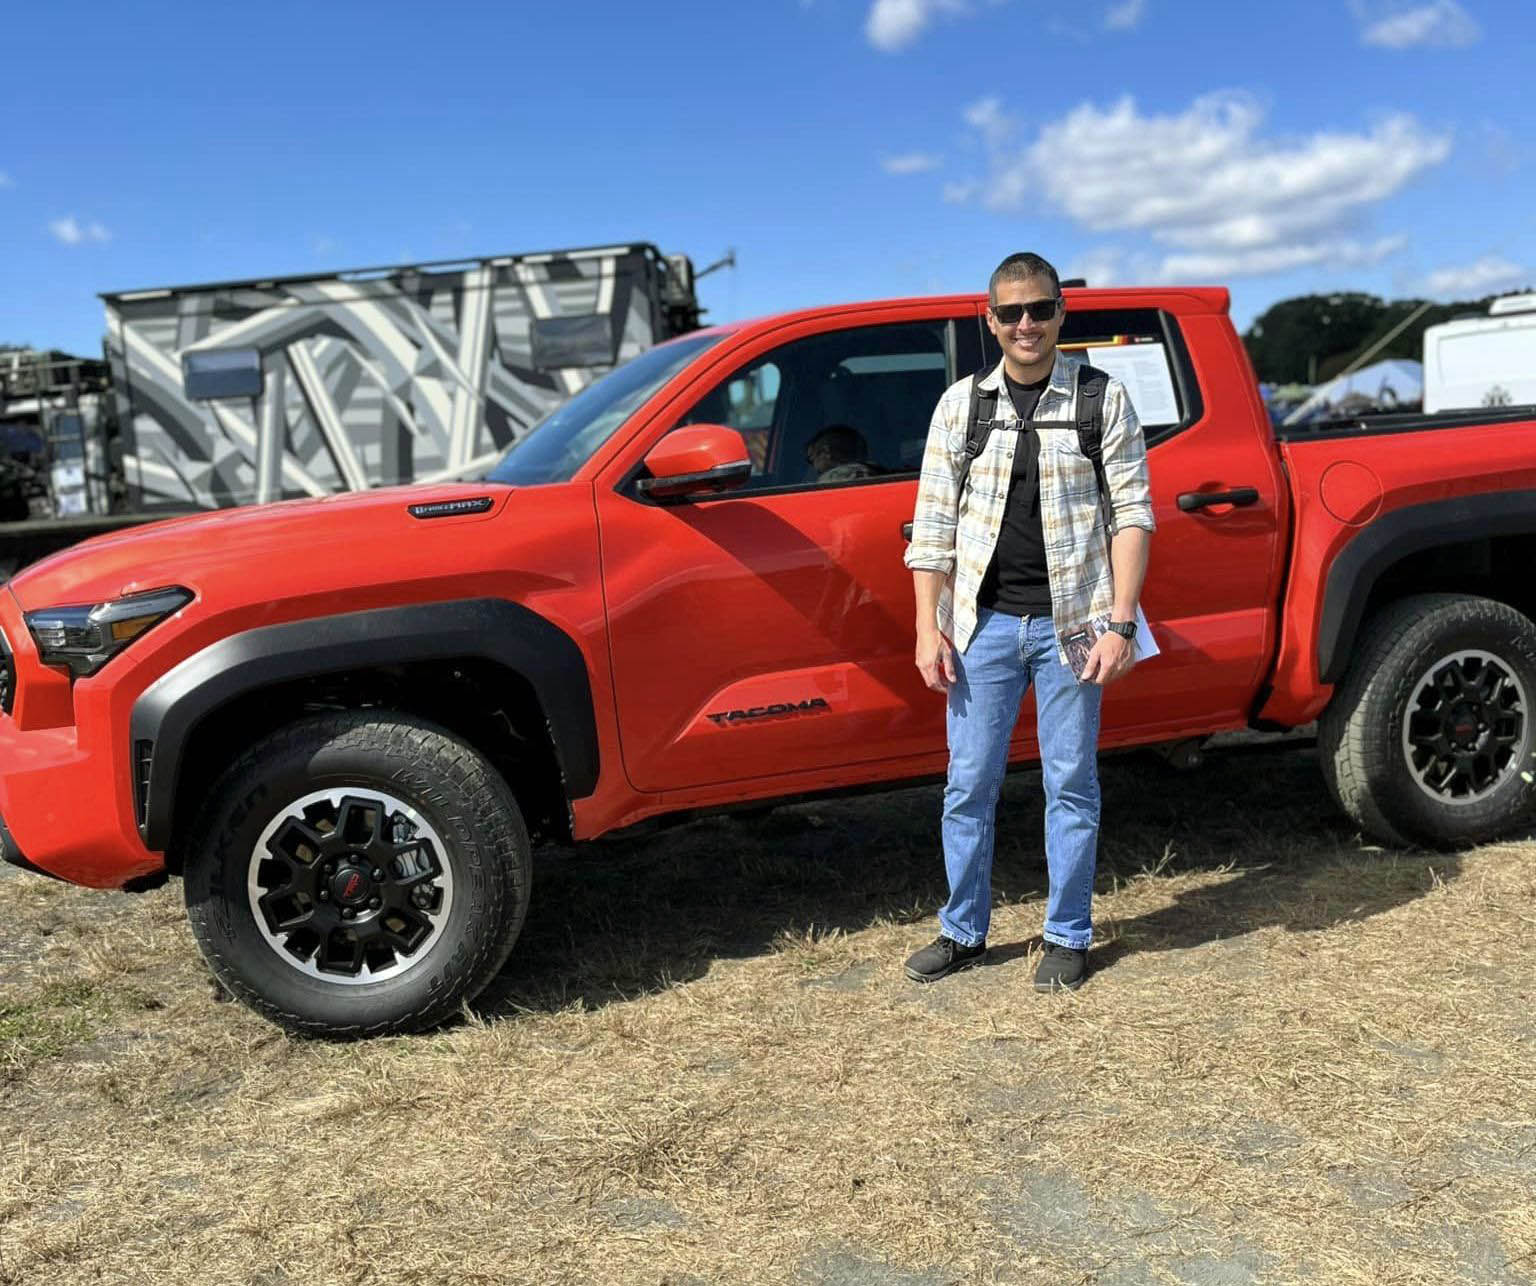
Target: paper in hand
(1078, 642)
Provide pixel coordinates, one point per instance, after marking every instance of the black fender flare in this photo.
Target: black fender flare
(167, 712)
(1393, 537)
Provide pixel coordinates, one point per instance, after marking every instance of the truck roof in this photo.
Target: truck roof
(386, 270)
(1188, 299)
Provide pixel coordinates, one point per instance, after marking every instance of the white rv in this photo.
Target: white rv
(1483, 361)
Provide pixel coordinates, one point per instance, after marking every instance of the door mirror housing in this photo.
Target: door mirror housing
(701, 459)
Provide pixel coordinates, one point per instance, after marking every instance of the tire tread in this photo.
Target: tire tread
(1356, 758)
(499, 830)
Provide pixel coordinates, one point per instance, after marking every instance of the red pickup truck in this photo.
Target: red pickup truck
(339, 720)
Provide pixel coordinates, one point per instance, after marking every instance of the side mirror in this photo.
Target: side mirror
(700, 458)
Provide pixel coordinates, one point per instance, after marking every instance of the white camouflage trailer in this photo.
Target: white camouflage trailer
(248, 391)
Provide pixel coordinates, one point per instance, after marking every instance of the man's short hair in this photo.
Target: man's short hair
(1022, 267)
(844, 443)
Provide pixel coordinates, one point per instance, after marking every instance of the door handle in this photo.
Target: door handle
(906, 531)
(1189, 501)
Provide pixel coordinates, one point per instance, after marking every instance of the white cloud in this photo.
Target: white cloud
(1404, 24)
(892, 25)
(5, 180)
(987, 118)
(911, 163)
(1487, 276)
(1204, 181)
(72, 232)
(1110, 265)
(1103, 266)
(1124, 15)
(1218, 265)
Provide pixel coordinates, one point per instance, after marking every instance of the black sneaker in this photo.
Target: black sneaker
(941, 957)
(1061, 969)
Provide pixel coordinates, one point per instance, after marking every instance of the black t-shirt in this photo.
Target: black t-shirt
(1017, 581)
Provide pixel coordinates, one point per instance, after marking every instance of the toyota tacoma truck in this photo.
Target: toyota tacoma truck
(339, 720)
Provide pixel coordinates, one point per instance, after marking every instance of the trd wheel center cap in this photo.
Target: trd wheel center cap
(351, 887)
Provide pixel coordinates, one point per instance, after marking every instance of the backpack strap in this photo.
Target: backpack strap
(1091, 383)
(980, 420)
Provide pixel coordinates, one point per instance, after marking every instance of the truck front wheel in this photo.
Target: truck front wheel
(1430, 738)
(358, 873)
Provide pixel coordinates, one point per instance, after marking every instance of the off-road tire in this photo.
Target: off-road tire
(1360, 734)
(484, 849)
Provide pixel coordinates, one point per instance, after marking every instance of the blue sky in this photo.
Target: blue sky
(846, 149)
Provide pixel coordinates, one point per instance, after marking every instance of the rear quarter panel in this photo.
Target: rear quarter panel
(1341, 484)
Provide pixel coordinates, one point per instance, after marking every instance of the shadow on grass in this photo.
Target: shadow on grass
(616, 919)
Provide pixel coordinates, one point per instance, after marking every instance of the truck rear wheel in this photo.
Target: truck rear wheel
(357, 874)
(1431, 737)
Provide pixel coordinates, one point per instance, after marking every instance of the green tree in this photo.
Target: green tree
(1312, 338)
(1291, 342)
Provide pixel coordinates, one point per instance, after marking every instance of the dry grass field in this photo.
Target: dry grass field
(1299, 1059)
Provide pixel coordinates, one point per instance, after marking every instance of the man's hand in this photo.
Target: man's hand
(935, 660)
(1111, 659)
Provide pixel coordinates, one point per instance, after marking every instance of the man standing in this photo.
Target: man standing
(1031, 547)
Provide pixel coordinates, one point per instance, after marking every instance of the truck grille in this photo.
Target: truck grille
(7, 675)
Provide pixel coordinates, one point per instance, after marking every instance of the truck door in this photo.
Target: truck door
(770, 631)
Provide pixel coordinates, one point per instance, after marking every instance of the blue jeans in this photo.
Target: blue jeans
(1007, 654)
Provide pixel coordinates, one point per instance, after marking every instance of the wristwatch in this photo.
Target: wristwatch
(1125, 629)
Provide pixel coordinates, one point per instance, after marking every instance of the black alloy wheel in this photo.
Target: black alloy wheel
(1431, 737)
(1465, 728)
(350, 886)
(358, 873)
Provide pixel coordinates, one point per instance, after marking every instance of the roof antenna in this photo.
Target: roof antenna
(727, 261)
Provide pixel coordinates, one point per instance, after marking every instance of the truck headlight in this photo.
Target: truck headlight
(85, 638)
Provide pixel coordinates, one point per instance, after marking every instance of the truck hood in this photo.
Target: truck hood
(178, 550)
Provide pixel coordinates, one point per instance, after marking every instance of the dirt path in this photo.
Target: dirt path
(1298, 1060)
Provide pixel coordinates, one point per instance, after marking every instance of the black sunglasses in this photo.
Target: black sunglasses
(1039, 310)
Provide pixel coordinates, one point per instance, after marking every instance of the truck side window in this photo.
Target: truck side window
(1142, 348)
(835, 408)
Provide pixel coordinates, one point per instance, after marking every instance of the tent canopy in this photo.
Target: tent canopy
(1399, 378)
(1384, 385)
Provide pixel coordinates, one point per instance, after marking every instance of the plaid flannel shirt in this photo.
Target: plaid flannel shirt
(956, 532)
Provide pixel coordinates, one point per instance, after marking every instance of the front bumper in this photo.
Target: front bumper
(66, 801)
(62, 811)
(10, 853)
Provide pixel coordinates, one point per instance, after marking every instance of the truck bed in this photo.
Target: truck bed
(1406, 422)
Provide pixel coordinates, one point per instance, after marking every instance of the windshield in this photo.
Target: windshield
(565, 439)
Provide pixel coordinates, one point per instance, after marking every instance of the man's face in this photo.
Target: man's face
(1026, 341)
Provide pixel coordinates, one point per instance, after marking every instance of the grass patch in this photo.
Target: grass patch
(1297, 1060)
(60, 1015)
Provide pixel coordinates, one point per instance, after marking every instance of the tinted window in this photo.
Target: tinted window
(214, 373)
(834, 408)
(559, 342)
